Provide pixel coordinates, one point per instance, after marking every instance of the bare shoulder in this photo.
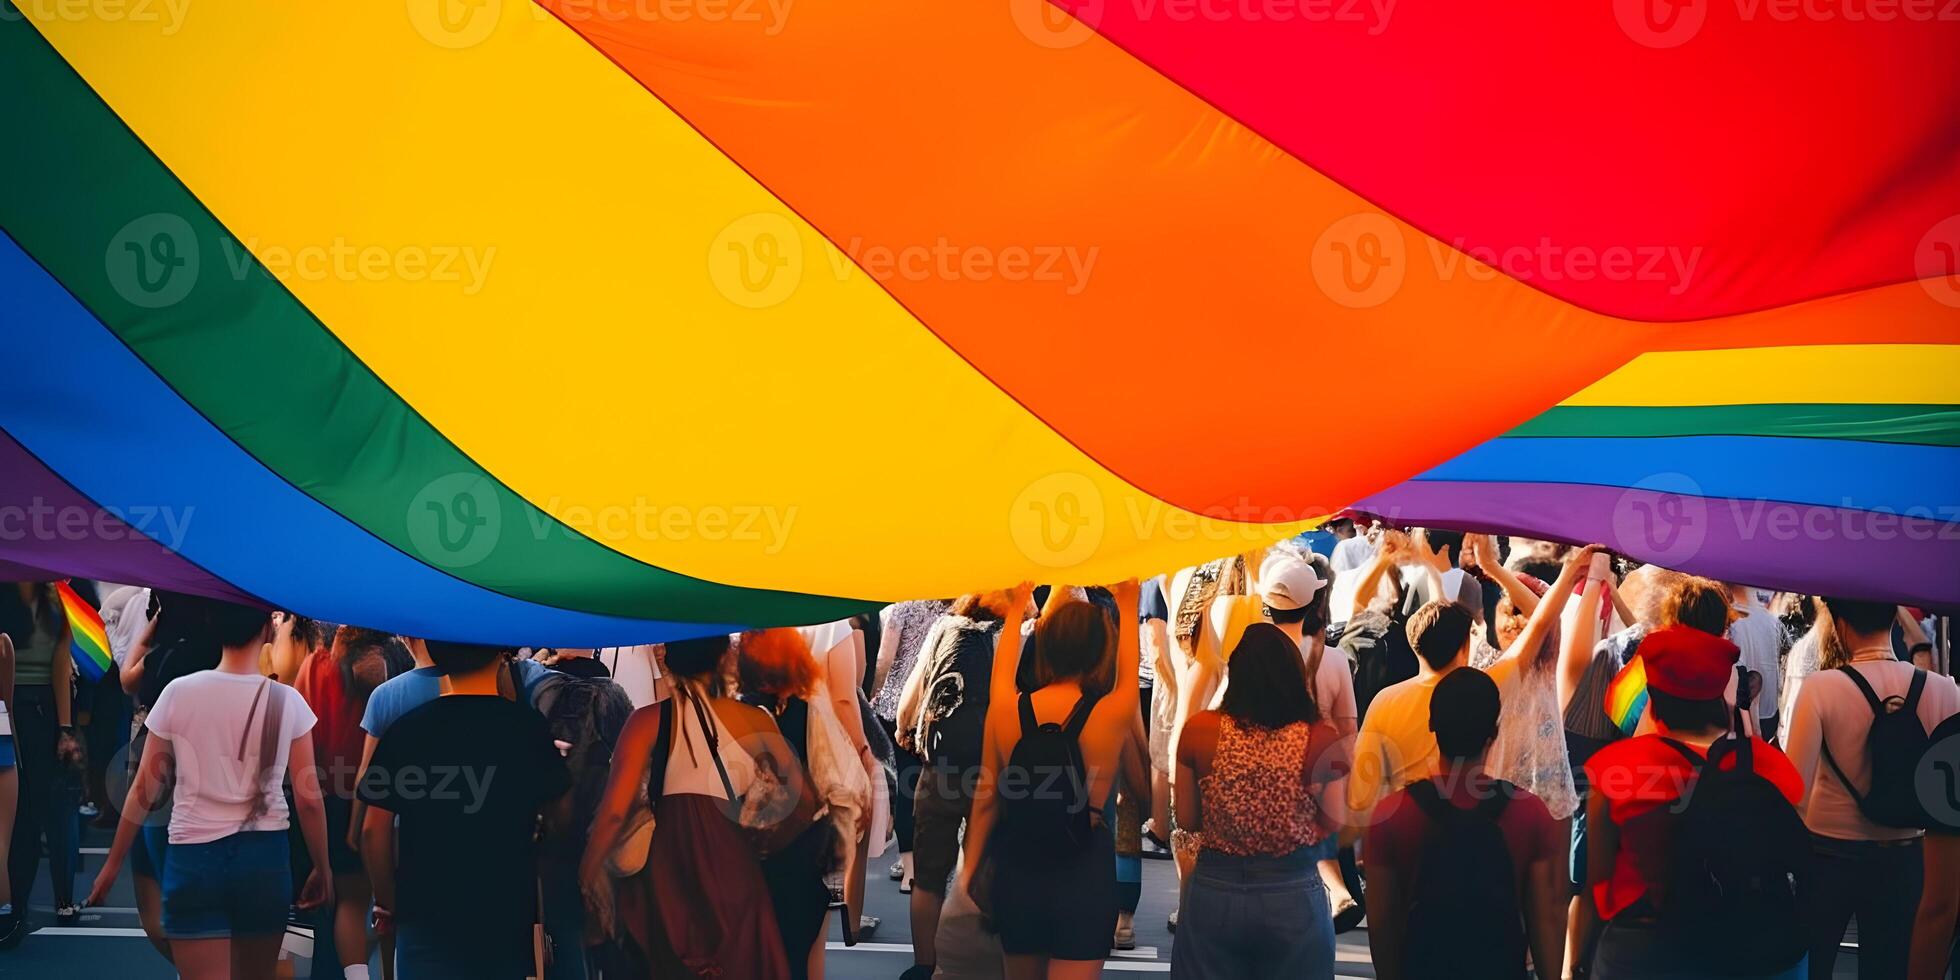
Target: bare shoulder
(1200, 736)
(744, 719)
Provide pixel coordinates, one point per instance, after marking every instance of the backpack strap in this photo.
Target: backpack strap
(1878, 710)
(1028, 723)
(1739, 745)
(1492, 807)
(1913, 692)
(1429, 800)
(1876, 703)
(1694, 758)
(1078, 717)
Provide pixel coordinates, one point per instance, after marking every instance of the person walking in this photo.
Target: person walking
(1052, 885)
(47, 744)
(1695, 851)
(903, 635)
(1867, 863)
(698, 904)
(229, 736)
(942, 718)
(456, 792)
(779, 676)
(1256, 786)
(1466, 873)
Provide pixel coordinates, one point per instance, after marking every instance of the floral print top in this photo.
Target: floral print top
(1256, 799)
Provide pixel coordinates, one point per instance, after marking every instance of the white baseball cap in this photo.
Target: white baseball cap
(1286, 582)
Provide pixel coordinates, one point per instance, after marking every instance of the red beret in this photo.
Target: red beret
(1687, 663)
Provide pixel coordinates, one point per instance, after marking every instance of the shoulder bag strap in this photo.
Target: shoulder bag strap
(251, 715)
(713, 738)
(1313, 672)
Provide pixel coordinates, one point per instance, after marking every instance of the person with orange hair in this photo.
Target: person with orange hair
(779, 675)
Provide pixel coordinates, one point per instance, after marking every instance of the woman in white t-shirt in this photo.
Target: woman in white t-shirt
(225, 736)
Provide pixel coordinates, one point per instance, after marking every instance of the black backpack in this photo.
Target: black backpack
(1044, 809)
(957, 692)
(1895, 744)
(1735, 864)
(587, 713)
(1466, 909)
(1381, 656)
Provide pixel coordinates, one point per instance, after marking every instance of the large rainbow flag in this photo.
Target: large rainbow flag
(591, 321)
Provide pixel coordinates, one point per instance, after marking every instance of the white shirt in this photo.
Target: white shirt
(125, 615)
(824, 637)
(691, 769)
(1333, 686)
(634, 670)
(1352, 553)
(1830, 709)
(1759, 635)
(205, 717)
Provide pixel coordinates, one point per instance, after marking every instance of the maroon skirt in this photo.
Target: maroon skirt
(700, 908)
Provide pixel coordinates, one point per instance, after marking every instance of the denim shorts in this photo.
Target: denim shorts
(234, 886)
(7, 758)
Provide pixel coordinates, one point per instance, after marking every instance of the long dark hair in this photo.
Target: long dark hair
(1266, 683)
(20, 621)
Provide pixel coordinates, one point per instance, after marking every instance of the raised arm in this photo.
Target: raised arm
(1128, 650)
(1007, 649)
(1484, 550)
(887, 650)
(1394, 545)
(1576, 650)
(1546, 615)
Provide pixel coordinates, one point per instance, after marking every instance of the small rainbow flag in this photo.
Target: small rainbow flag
(1626, 696)
(91, 641)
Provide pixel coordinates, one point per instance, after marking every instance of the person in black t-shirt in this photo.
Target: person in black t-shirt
(468, 774)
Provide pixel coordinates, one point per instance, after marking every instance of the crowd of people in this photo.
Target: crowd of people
(1506, 757)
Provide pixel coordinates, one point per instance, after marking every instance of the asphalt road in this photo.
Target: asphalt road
(109, 942)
